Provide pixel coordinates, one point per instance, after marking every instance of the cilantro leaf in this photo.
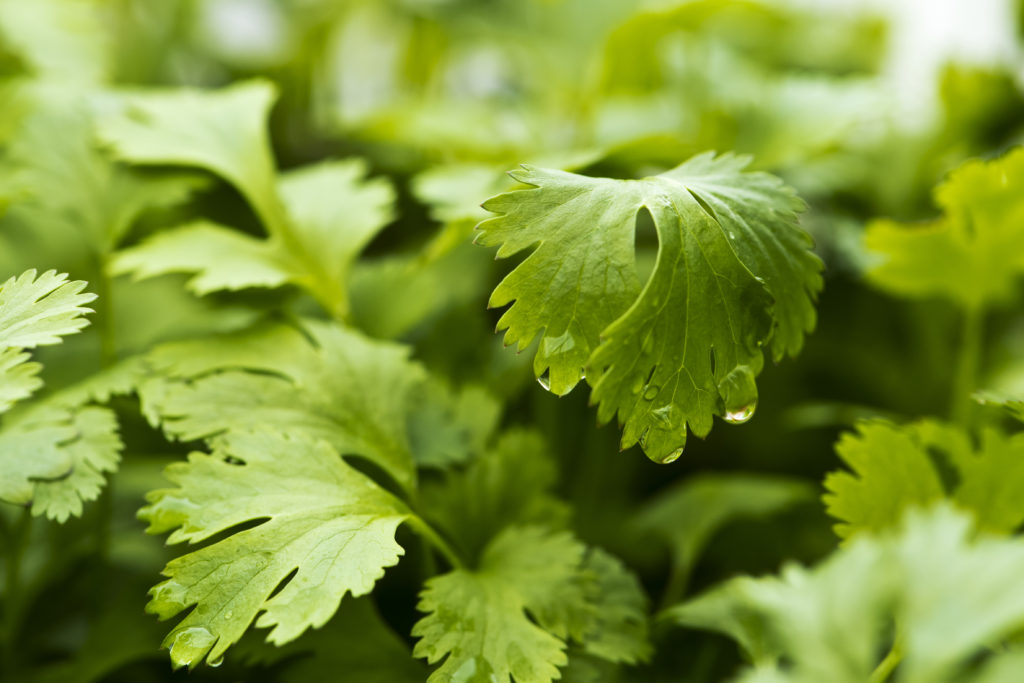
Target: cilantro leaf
(320, 380)
(617, 628)
(832, 622)
(733, 273)
(973, 254)
(223, 132)
(318, 218)
(37, 311)
(532, 591)
(477, 619)
(325, 530)
(894, 467)
(18, 377)
(93, 450)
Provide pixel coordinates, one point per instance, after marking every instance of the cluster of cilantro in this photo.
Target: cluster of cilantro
(323, 454)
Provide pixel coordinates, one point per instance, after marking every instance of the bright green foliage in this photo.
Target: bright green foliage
(318, 517)
(334, 384)
(834, 622)
(74, 191)
(53, 454)
(617, 628)
(59, 40)
(86, 438)
(974, 254)
(690, 513)
(35, 312)
(733, 273)
(318, 218)
(509, 617)
(894, 468)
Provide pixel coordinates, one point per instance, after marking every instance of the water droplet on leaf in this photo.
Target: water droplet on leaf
(545, 381)
(740, 415)
(671, 457)
(638, 385)
(651, 392)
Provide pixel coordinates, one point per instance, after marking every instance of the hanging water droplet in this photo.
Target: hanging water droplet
(651, 392)
(741, 415)
(215, 662)
(671, 457)
(545, 381)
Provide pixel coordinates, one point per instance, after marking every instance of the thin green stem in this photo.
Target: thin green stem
(678, 578)
(107, 322)
(968, 361)
(17, 540)
(431, 536)
(889, 664)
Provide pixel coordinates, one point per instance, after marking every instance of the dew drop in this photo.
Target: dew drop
(229, 614)
(638, 385)
(545, 381)
(651, 392)
(671, 457)
(740, 415)
(215, 662)
(648, 344)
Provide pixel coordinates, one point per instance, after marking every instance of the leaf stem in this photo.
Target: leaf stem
(107, 322)
(889, 663)
(678, 578)
(429, 534)
(967, 364)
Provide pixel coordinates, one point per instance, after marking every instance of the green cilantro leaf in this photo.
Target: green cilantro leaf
(617, 629)
(37, 311)
(532, 591)
(320, 380)
(894, 467)
(974, 254)
(733, 273)
(477, 619)
(223, 132)
(324, 530)
(916, 587)
(93, 450)
(18, 377)
(318, 218)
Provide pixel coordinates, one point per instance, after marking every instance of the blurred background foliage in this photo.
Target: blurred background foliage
(443, 97)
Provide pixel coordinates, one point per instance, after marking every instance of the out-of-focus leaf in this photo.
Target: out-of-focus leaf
(973, 254)
(898, 467)
(917, 585)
